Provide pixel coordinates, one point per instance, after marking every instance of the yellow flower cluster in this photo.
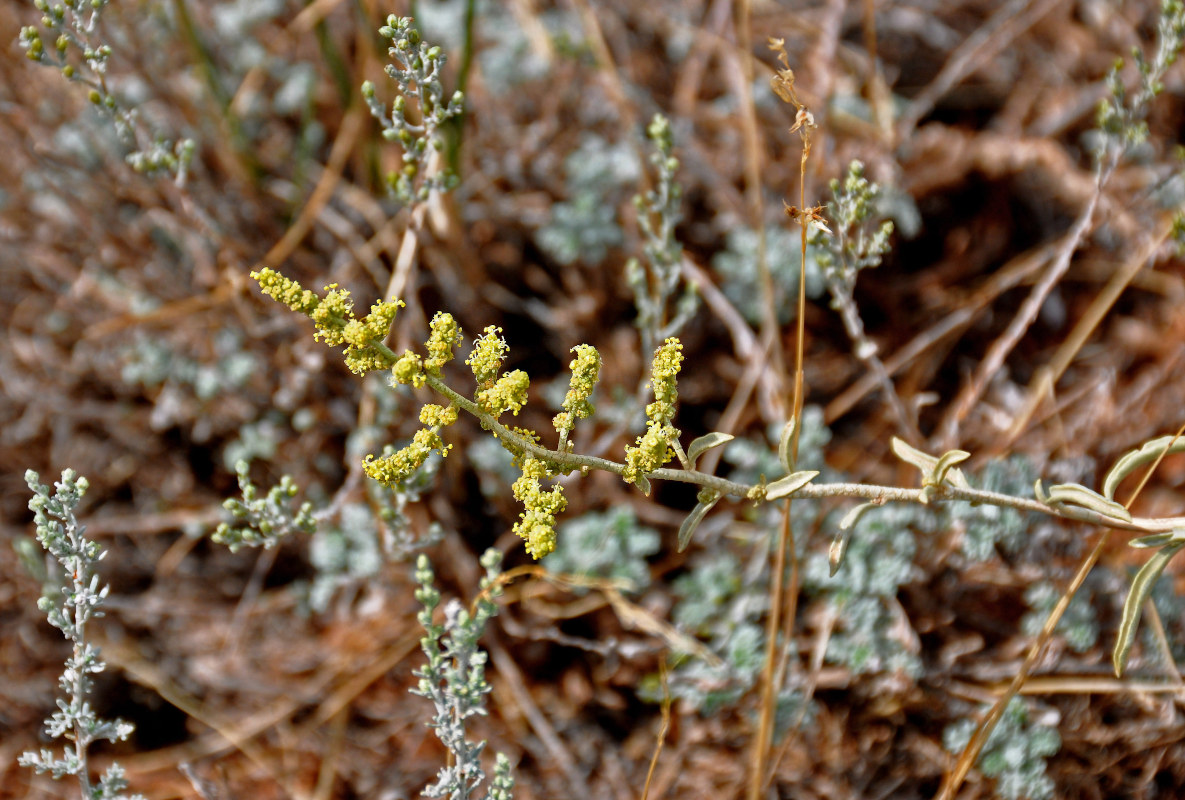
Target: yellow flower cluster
(486, 357)
(508, 393)
(536, 524)
(409, 369)
(446, 335)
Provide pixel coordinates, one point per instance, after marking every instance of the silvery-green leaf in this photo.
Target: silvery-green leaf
(706, 442)
(643, 483)
(784, 444)
(839, 548)
(839, 545)
(1133, 606)
(911, 455)
(853, 516)
(1157, 539)
(1039, 492)
(707, 500)
(947, 461)
(1078, 495)
(928, 464)
(790, 484)
(1132, 460)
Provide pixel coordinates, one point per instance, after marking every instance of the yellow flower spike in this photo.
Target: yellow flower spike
(653, 448)
(664, 373)
(333, 315)
(651, 451)
(286, 291)
(586, 370)
(398, 466)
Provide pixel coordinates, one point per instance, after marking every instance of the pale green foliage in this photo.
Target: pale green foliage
(878, 560)
(153, 363)
(987, 527)
(343, 554)
(722, 602)
(1079, 625)
(263, 520)
(454, 680)
(69, 607)
(256, 440)
(353, 549)
(717, 604)
(510, 59)
(739, 273)
(416, 70)
(1171, 605)
(1015, 752)
(859, 240)
(658, 214)
(610, 544)
(494, 464)
(1121, 118)
(76, 53)
(585, 226)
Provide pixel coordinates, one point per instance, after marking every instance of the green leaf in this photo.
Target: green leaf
(790, 484)
(1146, 454)
(1133, 606)
(929, 465)
(784, 454)
(706, 442)
(910, 455)
(643, 483)
(1075, 494)
(707, 499)
(839, 548)
(947, 461)
(1158, 539)
(1040, 493)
